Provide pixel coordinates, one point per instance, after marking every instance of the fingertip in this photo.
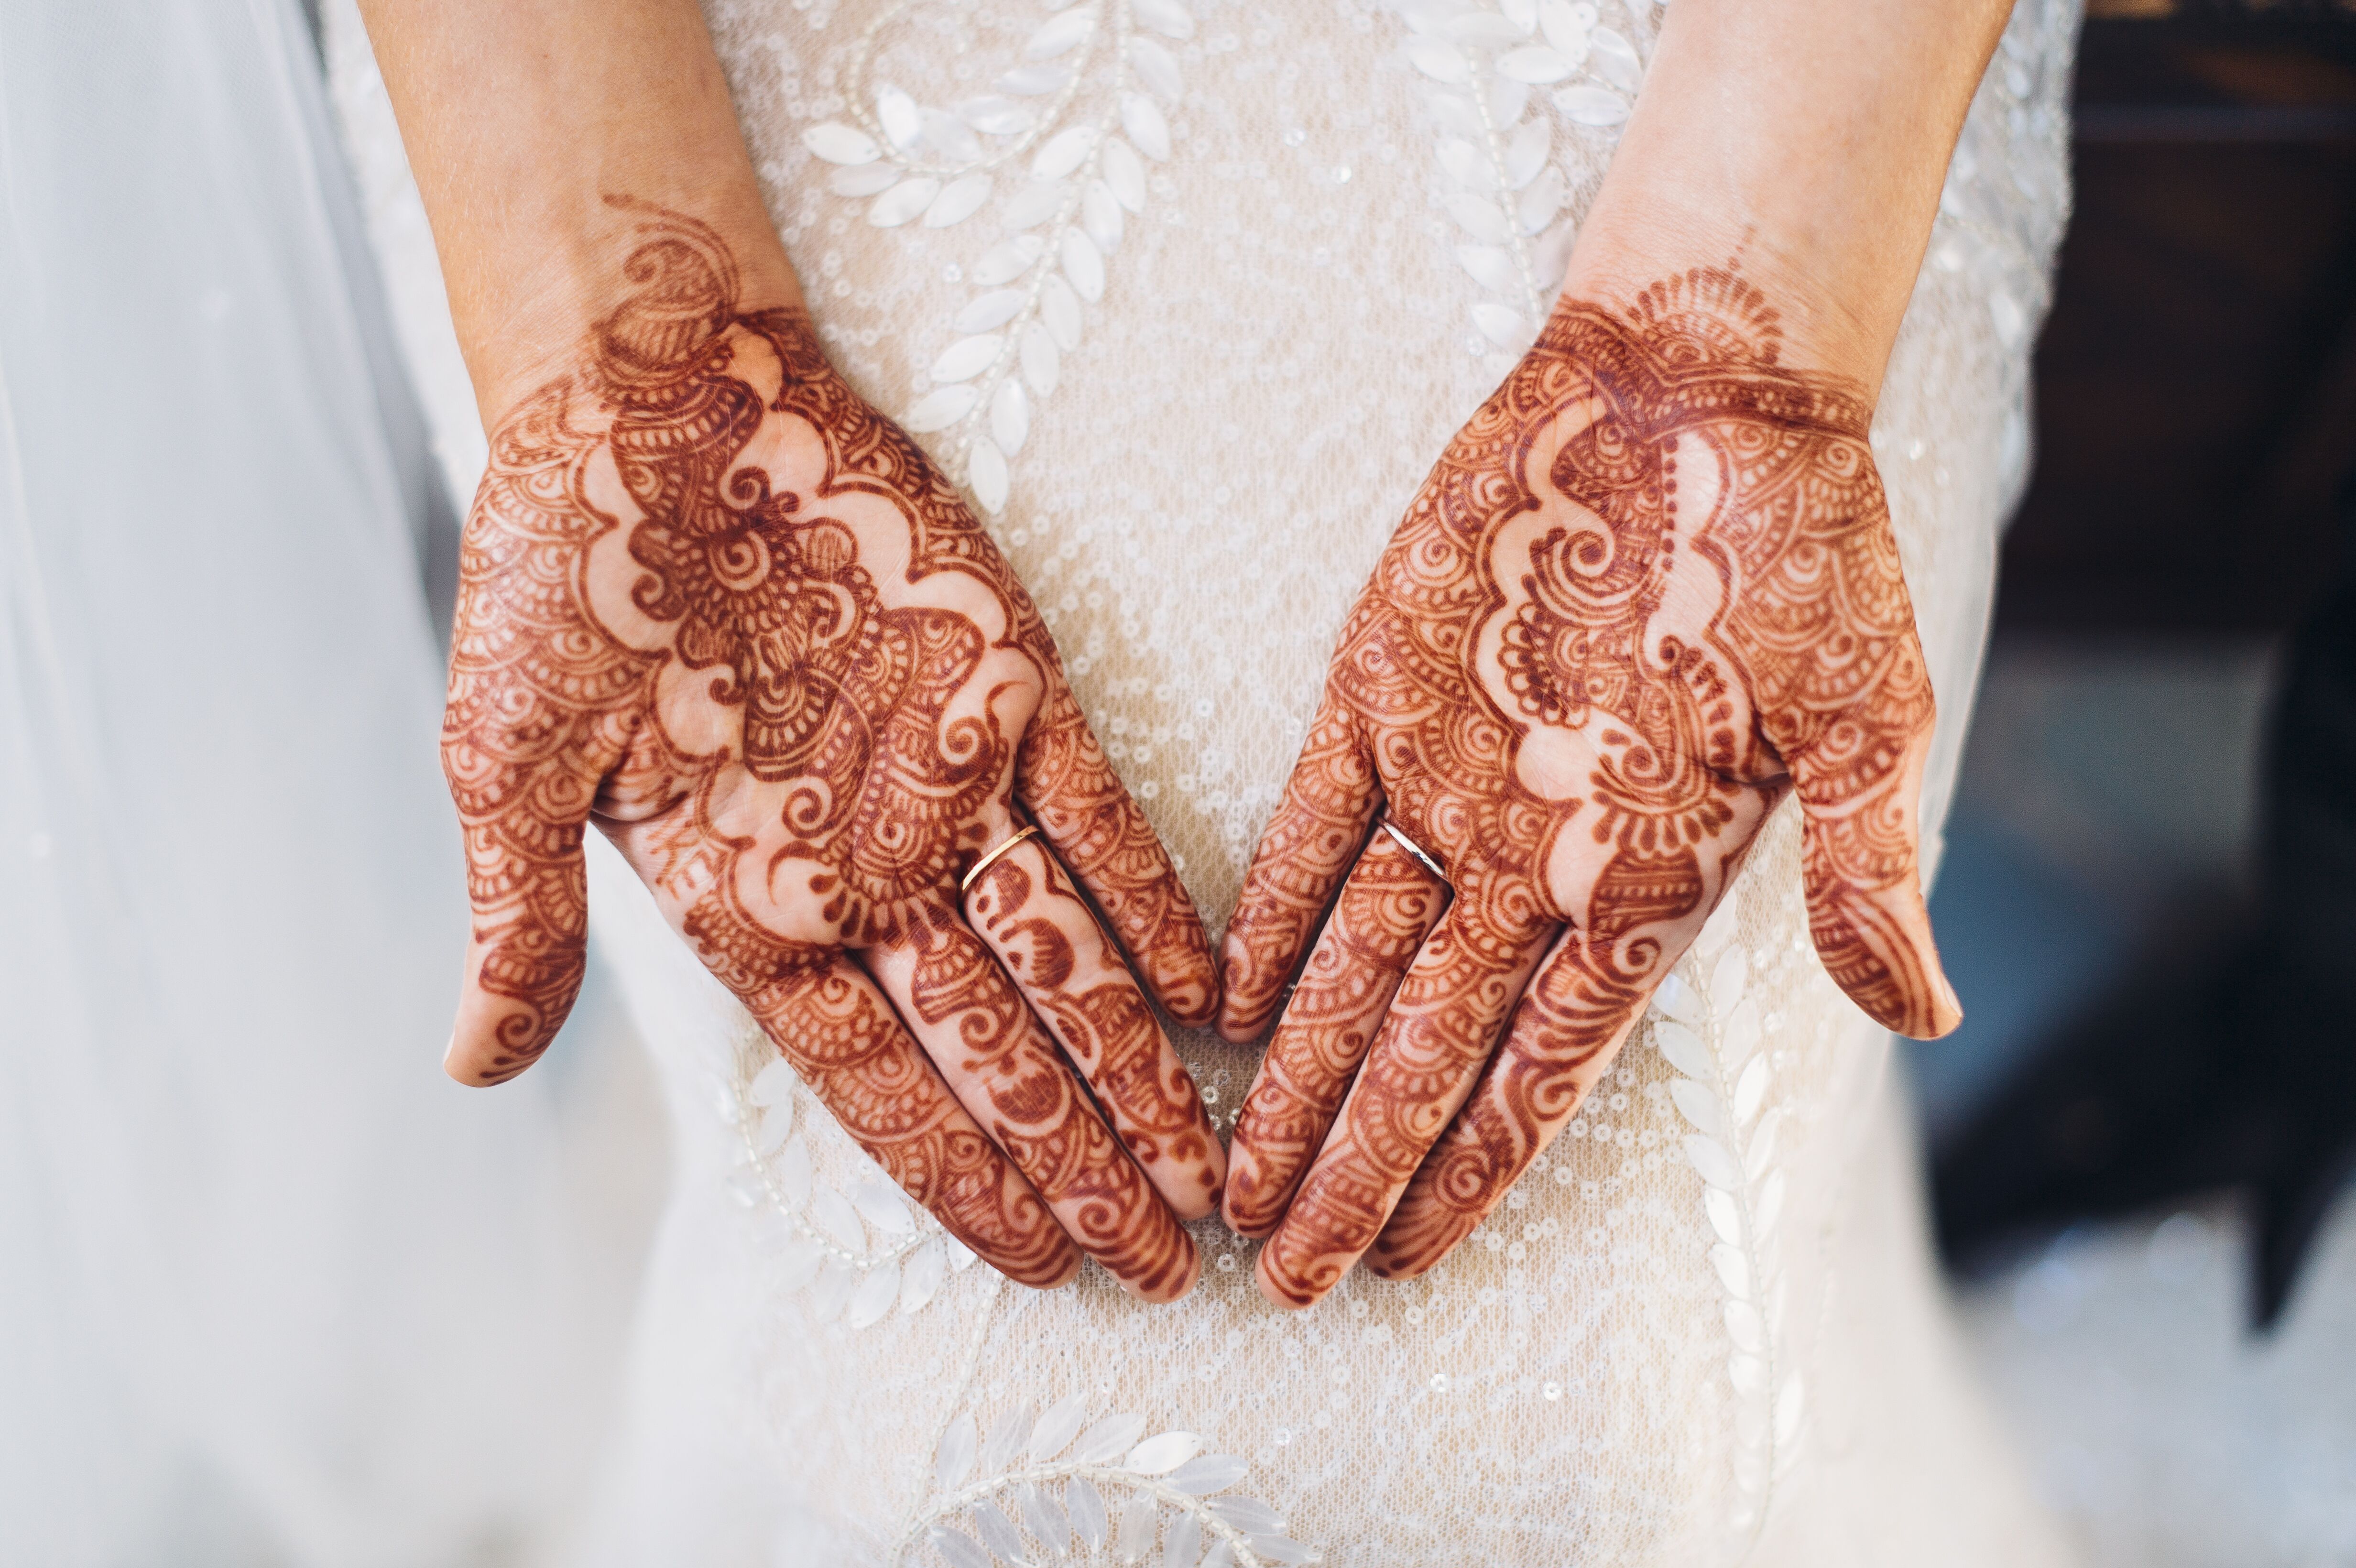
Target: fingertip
(1240, 1021)
(1191, 997)
(1278, 1294)
(1066, 1271)
(1240, 1216)
(1168, 1288)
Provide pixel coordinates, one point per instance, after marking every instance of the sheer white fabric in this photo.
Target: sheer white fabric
(1189, 294)
(271, 1289)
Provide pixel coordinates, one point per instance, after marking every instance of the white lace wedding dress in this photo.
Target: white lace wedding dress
(1189, 294)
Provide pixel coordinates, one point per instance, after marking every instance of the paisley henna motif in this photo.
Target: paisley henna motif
(711, 598)
(1650, 588)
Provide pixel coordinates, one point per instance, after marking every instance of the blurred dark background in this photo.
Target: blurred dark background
(2140, 1139)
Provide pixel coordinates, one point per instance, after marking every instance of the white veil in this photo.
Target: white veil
(272, 1289)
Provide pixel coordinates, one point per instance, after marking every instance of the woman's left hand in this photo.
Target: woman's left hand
(1650, 588)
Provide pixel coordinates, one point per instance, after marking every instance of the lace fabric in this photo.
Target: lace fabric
(1189, 294)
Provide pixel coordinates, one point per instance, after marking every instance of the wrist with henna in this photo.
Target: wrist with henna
(1650, 590)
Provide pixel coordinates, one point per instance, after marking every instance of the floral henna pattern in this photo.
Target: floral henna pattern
(1386, 909)
(1017, 1086)
(1042, 933)
(842, 1038)
(1102, 835)
(711, 599)
(1650, 588)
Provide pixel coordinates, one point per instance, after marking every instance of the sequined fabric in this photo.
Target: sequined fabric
(1189, 294)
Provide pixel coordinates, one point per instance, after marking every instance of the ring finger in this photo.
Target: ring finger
(1027, 910)
(1421, 1066)
(963, 1010)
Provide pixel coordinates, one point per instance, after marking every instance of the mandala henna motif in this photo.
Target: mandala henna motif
(711, 598)
(1650, 588)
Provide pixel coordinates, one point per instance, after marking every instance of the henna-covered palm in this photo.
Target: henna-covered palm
(714, 602)
(1650, 588)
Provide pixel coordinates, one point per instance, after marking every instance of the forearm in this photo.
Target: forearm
(1805, 140)
(522, 117)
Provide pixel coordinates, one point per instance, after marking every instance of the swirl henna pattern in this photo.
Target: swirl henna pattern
(1650, 588)
(714, 602)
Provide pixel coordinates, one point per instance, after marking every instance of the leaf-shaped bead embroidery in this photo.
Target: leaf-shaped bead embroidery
(1034, 1489)
(1156, 66)
(876, 1294)
(1440, 60)
(1109, 1438)
(1208, 1473)
(1008, 1434)
(941, 407)
(1705, 1024)
(1073, 121)
(1063, 152)
(1158, 1455)
(987, 473)
(1124, 172)
(1613, 58)
(904, 201)
(1088, 1511)
(959, 200)
(1182, 1545)
(968, 358)
(1539, 65)
(1591, 105)
(776, 1126)
(1138, 1521)
(774, 1084)
(953, 1460)
(838, 143)
(858, 1253)
(1140, 117)
(1041, 358)
(1509, 193)
(1083, 264)
(1060, 34)
(1010, 417)
(920, 1279)
(1565, 25)
(1046, 1518)
(1167, 18)
(1058, 1425)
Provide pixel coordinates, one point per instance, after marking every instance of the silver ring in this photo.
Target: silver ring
(1416, 849)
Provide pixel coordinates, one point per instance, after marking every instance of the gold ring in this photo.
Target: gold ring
(992, 858)
(1416, 849)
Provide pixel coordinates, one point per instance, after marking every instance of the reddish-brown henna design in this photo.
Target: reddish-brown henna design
(959, 1000)
(1385, 910)
(1650, 588)
(711, 598)
(1042, 931)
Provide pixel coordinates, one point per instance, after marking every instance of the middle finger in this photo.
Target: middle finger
(1422, 1066)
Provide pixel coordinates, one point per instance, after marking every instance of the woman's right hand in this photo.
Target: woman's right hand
(714, 602)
